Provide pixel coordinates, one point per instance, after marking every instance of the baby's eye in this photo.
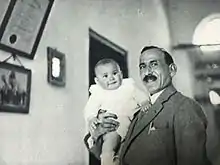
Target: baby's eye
(115, 73)
(105, 76)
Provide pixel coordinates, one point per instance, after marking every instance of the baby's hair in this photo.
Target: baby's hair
(106, 61)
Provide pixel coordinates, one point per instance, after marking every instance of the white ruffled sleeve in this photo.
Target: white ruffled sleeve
(93, 104)
(139, 95)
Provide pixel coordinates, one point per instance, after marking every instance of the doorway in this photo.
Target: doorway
(100, 48)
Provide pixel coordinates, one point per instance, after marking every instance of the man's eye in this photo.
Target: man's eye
(105, 76)
(142, 66)
(154, 64)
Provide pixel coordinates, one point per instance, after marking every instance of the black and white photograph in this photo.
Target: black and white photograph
(110, 82)
(15, 85)
(23, 25)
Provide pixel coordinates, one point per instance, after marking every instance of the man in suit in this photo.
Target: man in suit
(173, 130)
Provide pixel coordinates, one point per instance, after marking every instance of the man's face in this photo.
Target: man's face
(108, 76)
(154, 71)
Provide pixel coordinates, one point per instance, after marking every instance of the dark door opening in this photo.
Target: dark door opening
(99, 48)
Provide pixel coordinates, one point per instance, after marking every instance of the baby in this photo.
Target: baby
(115, 95)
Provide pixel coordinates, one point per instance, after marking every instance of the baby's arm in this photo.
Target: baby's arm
(91, 110)
(91, 120)
(145, 105)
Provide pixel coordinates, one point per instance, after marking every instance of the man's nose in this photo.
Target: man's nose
(148, 70)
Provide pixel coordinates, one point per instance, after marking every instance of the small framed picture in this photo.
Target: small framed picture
(22, 26)
(56, 67)
(15, 88)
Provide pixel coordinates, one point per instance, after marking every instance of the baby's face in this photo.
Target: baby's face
(109, 76)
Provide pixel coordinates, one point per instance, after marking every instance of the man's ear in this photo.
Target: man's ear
(172, 69)
(96, 80)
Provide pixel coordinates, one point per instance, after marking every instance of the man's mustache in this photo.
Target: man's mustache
(149, 77)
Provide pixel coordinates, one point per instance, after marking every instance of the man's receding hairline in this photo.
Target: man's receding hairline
(163, 57)
(157, 49)
(167, 56)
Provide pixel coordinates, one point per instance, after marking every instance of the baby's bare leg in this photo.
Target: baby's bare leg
(110, 144)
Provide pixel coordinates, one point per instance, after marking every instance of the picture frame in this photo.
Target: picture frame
(56, 67)
(23, 25)
(15, 88)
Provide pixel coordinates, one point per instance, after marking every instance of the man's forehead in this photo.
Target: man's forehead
(151, 55)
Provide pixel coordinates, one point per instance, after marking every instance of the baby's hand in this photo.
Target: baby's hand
(145, 105)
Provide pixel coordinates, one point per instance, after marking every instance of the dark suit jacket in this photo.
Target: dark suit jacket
(179, 136)
(96, 148)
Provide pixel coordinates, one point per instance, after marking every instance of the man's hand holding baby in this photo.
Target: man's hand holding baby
(104, 122)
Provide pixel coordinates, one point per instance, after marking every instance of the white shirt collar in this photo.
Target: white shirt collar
(154, 97)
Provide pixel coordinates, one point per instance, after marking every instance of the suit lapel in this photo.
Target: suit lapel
(137, 126)
(129, 133)
(128, 136)
(146, 119)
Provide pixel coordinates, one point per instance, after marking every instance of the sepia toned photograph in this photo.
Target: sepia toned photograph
(14, 88)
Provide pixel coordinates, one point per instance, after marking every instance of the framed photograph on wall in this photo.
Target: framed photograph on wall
(15, 88)
(23, 25)
(56, 67)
